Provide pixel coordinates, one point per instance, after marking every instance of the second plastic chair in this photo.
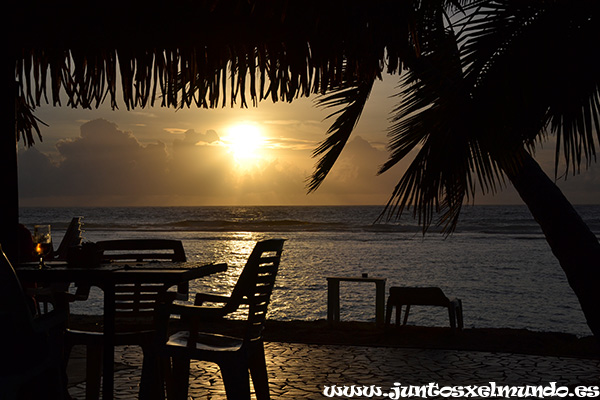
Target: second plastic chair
(238, 356)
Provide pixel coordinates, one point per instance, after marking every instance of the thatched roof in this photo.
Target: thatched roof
(199, 53)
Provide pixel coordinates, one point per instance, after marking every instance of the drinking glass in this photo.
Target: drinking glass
(42, 240)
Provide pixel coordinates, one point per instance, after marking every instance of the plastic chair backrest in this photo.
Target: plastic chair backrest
(72, 238)
(135, 301)
(256, 282)
(142, 250)
(135, 304)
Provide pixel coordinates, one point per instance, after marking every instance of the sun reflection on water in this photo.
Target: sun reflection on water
(234, 250)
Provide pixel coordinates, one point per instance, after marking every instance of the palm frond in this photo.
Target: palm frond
(434, 121)
(205, 54)
(27, 125)
(530, 66)
(351, 102)
(467, 114)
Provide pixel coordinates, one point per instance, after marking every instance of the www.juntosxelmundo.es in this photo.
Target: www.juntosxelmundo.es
(434, 390)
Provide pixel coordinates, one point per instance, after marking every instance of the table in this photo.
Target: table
(333, 296)
(106, 277)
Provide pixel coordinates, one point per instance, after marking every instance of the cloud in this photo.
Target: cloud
(102, 161)
(291, 143)
(37, 174)
(107, 161)
(191, 137)
(105, 165)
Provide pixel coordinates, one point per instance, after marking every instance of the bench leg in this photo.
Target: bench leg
(406, 313)
(388, 312)
(452, 316)
(459, 314)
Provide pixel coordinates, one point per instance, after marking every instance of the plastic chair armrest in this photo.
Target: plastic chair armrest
(187, 311)
(202, 298)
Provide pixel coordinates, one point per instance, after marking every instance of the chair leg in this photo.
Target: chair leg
(164, 377)
(150, 383)
(167, 377)
(60, 382)
(258, 371)
(60, 355)
(236, 380)
(180, 378)
(93, 372)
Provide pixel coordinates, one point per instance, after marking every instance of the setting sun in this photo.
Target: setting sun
(244, 141)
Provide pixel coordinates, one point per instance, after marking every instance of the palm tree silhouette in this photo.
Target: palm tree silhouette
(486, 81)
(482, 90)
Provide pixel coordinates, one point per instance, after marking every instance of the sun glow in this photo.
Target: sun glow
(244, 142)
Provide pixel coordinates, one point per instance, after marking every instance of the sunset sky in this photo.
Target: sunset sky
(159, 156)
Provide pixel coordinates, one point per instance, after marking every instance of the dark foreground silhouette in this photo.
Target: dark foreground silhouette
(367, 334)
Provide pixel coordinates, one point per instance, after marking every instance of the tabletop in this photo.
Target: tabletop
(118, 272)
(356, 279)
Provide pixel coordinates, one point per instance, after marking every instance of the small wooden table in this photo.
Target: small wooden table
(333, 296)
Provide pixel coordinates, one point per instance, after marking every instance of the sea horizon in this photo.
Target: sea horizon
(497, 261)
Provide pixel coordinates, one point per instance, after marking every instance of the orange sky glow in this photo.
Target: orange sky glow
(189, 157)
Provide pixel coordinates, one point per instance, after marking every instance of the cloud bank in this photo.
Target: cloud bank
(107, 166)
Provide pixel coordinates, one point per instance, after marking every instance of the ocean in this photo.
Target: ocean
(497, 262)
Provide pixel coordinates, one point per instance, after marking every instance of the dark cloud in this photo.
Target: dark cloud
(105, 165)
(107, 161)
(37, 175)
(104, 162)
(192, 138)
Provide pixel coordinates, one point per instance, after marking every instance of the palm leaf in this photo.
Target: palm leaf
(531, 67)
(443, 122)
(466, 115)
(28, 124)
(351, 102)
(432, 120)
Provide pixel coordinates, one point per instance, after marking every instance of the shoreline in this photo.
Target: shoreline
(496, 340)
(352, 333)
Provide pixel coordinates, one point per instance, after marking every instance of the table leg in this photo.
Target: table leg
(379, 302)
(108, 365)
(183, 290)
(333, 300)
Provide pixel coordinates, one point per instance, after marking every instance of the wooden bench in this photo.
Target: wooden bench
(422, 296)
